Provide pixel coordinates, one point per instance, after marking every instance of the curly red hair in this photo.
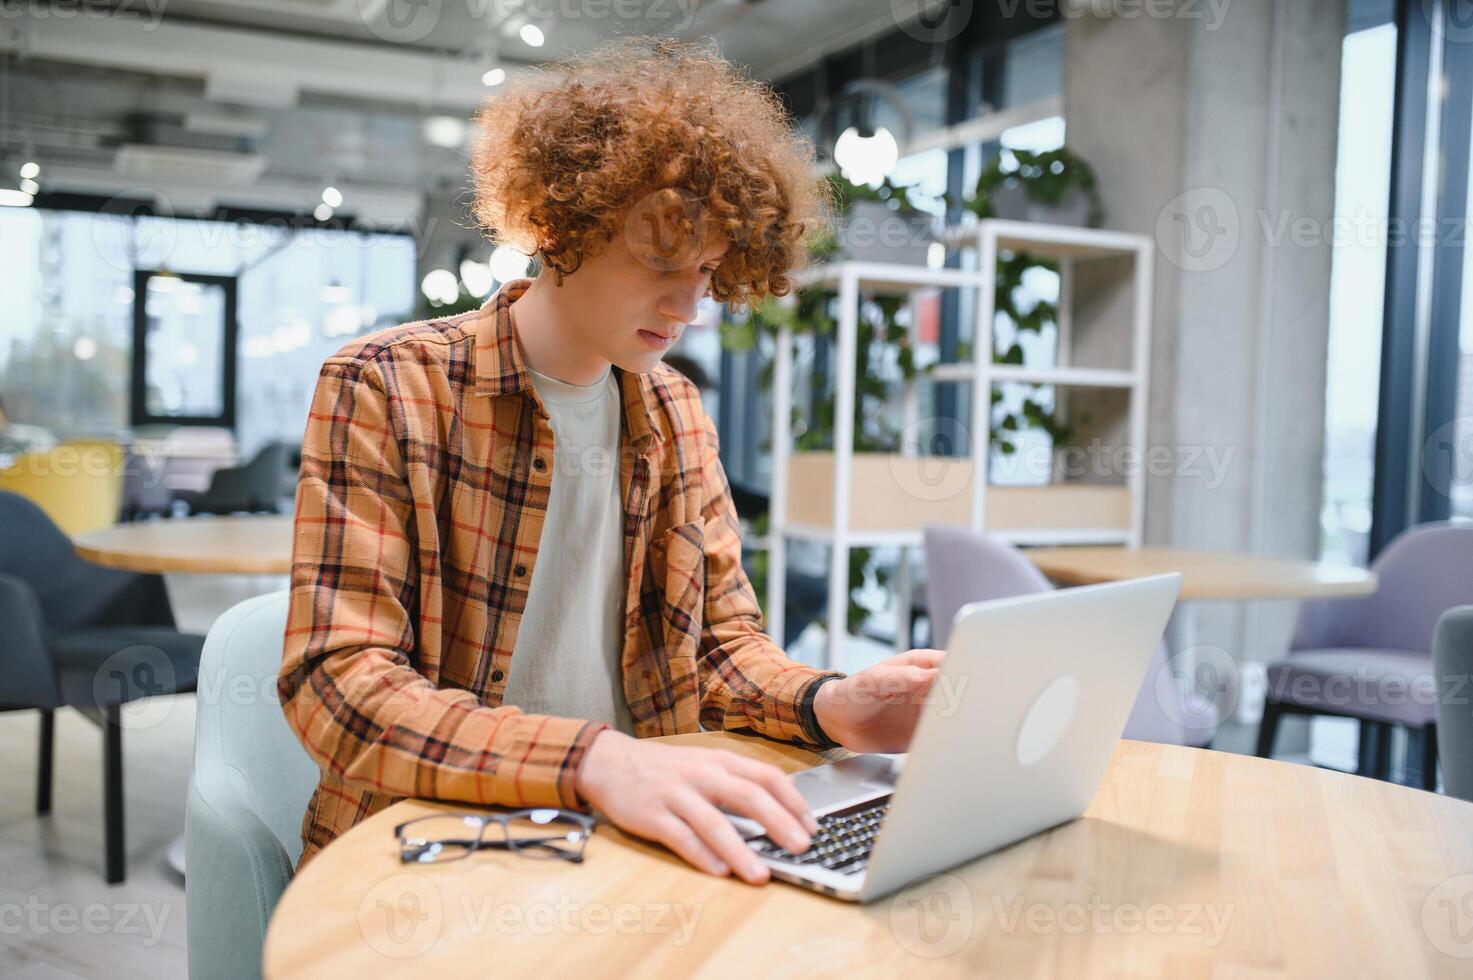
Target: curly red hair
(567, 157)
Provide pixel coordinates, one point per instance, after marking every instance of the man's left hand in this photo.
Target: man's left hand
(876, 709)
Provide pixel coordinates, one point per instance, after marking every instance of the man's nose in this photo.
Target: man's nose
(681, 301)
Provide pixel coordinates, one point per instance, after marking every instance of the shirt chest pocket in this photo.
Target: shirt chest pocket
(676, 593)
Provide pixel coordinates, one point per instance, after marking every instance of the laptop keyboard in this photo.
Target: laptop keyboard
(843, 841)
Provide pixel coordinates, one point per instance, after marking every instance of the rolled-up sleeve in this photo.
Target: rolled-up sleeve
(747, 681)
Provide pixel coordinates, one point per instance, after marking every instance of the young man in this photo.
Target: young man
(516, 556)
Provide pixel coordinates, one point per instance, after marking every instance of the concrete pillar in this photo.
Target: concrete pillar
(1213, 128)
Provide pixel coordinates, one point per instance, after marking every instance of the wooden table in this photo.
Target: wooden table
(1189, 864)
(1206, 574)
(242, 545)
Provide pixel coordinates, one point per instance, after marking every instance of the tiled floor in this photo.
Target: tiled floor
(58, 919)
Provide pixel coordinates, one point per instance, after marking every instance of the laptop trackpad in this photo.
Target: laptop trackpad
(840, 784)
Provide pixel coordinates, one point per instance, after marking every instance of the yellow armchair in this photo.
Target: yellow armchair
(78, 484)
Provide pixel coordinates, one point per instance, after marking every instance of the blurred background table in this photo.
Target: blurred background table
(1206, 575)
(242, 545)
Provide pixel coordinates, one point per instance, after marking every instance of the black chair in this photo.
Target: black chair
(84, 636)
(254, 487)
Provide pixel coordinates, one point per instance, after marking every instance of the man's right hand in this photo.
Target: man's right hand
(672, 794)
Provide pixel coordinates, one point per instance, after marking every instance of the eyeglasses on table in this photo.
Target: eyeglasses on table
(536, 833)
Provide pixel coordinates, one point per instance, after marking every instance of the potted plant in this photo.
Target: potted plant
(1052, 187)
(878, 224)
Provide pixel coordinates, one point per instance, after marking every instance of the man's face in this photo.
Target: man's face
(644, 286)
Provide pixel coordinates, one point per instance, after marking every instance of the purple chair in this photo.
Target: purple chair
(963, 566)
(1369, 658)
(1452, 662)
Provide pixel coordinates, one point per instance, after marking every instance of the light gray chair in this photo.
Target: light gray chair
(1370, 657)
(963, 566)
(1452, 665)
(247, 793)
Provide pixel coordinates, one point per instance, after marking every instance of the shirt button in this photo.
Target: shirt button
(521, 571)
(497, 675)
(538, 464)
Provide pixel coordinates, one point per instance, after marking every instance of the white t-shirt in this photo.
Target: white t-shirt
(566, 658)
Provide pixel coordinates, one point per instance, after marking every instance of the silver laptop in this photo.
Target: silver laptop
(1014, 738)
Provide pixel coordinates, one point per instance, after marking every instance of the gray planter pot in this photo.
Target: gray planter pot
(1011, 201)
(872, 232)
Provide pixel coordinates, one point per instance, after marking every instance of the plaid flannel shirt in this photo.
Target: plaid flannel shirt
(423, 491)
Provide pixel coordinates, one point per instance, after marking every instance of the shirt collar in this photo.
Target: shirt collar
(501, 370)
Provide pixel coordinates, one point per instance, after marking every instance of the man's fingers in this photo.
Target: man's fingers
(676, 834)
(918, 658)
(753, 800)
(776, 782)
(904, 685)
(712, 826)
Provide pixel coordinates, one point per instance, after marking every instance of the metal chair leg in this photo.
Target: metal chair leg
(112, 784)
(44, 761)
(1429, 758)
(1268, 728)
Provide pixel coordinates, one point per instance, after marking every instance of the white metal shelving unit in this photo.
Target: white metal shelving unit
(852, 280)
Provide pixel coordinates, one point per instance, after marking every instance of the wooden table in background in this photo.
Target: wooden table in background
(242, 545)
(183, 548)
(1189, 863)
(1206, 574)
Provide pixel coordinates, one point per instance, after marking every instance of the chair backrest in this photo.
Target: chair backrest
(1452, 666)
(254, 486)
(74, 593)
(240, 728)
(248, 791)
(78, 484)
(1423, 572)
(963, 566)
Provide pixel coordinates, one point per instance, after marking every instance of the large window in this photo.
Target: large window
(66, 345)
(1357, 280)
